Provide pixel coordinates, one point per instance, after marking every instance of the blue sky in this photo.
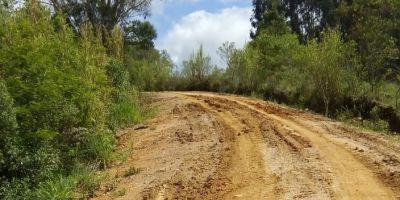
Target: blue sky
(182, 25)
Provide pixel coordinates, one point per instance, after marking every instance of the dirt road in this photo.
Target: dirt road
(212, 146)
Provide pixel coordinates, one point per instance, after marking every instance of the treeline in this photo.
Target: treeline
(68, 80)
(339, 58)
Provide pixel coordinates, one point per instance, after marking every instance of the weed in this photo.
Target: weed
(375, 124)
(60, 188)
(120, 193)
(86, 179)
(100, 147)
(131, 171)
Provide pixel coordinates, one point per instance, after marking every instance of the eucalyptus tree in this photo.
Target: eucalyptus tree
(103, 13)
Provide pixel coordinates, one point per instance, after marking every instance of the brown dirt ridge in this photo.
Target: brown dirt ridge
(204, 145)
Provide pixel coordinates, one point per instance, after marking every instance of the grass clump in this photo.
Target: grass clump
(59, 188)
(99, 147)
(131, 171)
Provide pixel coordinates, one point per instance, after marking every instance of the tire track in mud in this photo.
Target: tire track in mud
(246, 170)
(350, 178)
(290, 162)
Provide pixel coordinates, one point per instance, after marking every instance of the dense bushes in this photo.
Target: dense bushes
(149, 69)
(62, 95)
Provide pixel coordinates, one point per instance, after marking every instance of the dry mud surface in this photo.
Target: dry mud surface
(214, 146)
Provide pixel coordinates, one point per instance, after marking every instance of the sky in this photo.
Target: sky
(183, 25)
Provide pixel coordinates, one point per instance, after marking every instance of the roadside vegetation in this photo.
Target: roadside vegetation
(68, 81)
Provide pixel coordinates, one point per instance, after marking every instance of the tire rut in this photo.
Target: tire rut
(247, 171)
(351, 179)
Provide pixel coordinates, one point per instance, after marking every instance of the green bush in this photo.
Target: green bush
(99, 147)
(52, 82)
(374, 123)
(125, 107)
(18, 189)
(61, 92)
(86, 179)
(60, 188)
(125, 112)
(8, 121)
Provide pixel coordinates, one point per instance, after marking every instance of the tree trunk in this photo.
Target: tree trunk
(397, 98)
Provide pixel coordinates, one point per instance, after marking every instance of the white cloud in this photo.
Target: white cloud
(158, 6)
(209, 29)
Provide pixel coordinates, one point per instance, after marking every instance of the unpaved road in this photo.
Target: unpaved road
(213, 146)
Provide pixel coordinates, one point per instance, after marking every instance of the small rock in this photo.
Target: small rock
(361, 150)
(140, 127)
(120, 134)
(162, 170)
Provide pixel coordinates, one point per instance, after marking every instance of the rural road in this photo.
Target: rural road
(213, 146)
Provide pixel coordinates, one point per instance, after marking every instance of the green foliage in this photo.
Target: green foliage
(99, 146)
(149, 69)
(326, 67)
(8, 121)
(125, 110)
(268, 56)
(86, 180)
(60, 92)
(196, 69)
(140, 34)
(102, 14)
(51, 78)
(374, 123)
(16, 190)
(120, 193)
(60, 188)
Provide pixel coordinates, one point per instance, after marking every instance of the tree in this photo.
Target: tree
(268, 16)
(141, 34)
(100, 13)
(372, 24)
(226, 52)
(327, 62)
(197, 68)
(307, 18)
(236, 65)
(259, 7)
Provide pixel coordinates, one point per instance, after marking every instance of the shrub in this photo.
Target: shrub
(51, 83)
(99, 147)
(124, 110)
(86, 179)
(60, 188)
(17, 189)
